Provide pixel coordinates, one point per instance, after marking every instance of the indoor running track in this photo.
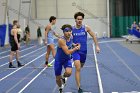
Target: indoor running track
(118, 67)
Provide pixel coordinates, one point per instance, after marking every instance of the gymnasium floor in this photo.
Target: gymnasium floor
(119, 69)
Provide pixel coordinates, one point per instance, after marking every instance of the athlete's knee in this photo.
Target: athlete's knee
(12, 53)
(78, 68)
(68, 73)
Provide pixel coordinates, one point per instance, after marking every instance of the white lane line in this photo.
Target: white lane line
(123, 62)
(23, 56)
(33, 79)
(9, 50)
(21, 67)
(127, 92)
(49, 67)
(98, 72)
(10, 89)
(111, 41)
(19, 51)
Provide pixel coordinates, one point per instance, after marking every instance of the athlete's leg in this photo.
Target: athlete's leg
(17, 55)
(58, 70)
(26, 39)
(53, 52)
(68, 72)
(53, 49)
(17, 58)
(10, 59)
(47, 54)
(76, 58)
(77, 72)
(82, 64)
(58, 81)
(83, 58)
(12, 53)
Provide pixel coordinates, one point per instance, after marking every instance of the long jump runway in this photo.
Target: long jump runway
(118, 67)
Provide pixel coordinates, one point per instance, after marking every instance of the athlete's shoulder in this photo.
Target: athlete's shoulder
(61, 39)
(87, 28)
(73, 26)
(61, 42)
(48, 26)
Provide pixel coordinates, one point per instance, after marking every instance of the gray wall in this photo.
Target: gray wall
(2, 11)
(95, 12)
(95, 24)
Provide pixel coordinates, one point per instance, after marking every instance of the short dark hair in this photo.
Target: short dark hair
(79, 14)
(52, 18)
(14, 22)
(66, 26)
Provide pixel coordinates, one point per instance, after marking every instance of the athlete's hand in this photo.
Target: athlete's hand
(18, 46)
(97, 49)
(45, 42)
(77, 46)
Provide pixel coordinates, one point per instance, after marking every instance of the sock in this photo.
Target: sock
(10, 63)
(60, 87)
(46, 62)
(18, 62)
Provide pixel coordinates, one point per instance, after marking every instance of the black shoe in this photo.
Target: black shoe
(60, 90)
(20, 65)
(11, 66)
(80, 90)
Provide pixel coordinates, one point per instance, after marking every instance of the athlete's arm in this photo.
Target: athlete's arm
(46, 32)
(75, 45)
(15, 37)
(94, 38)
(57, 35)
(62, 44)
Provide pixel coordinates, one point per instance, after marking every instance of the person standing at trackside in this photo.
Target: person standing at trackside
(138, 28)
(19, 33)
(15, 45)
(27, 34)
(63, 55)
(79, 33)
(49, 39)
(134, 25)
(39, 35)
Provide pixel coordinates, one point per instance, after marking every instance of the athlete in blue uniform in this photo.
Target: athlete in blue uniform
(49, 39)
(79, 33)
(63, 55)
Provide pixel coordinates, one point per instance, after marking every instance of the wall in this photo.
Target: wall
(2, 11)
(95, 24)
(96, 16)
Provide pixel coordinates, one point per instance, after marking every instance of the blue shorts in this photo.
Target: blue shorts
(50, 41)
(80, 55)
(58, 66)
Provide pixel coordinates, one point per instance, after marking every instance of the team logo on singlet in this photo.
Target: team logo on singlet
(79, 34)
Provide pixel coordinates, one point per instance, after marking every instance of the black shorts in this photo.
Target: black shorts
(14, 46)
